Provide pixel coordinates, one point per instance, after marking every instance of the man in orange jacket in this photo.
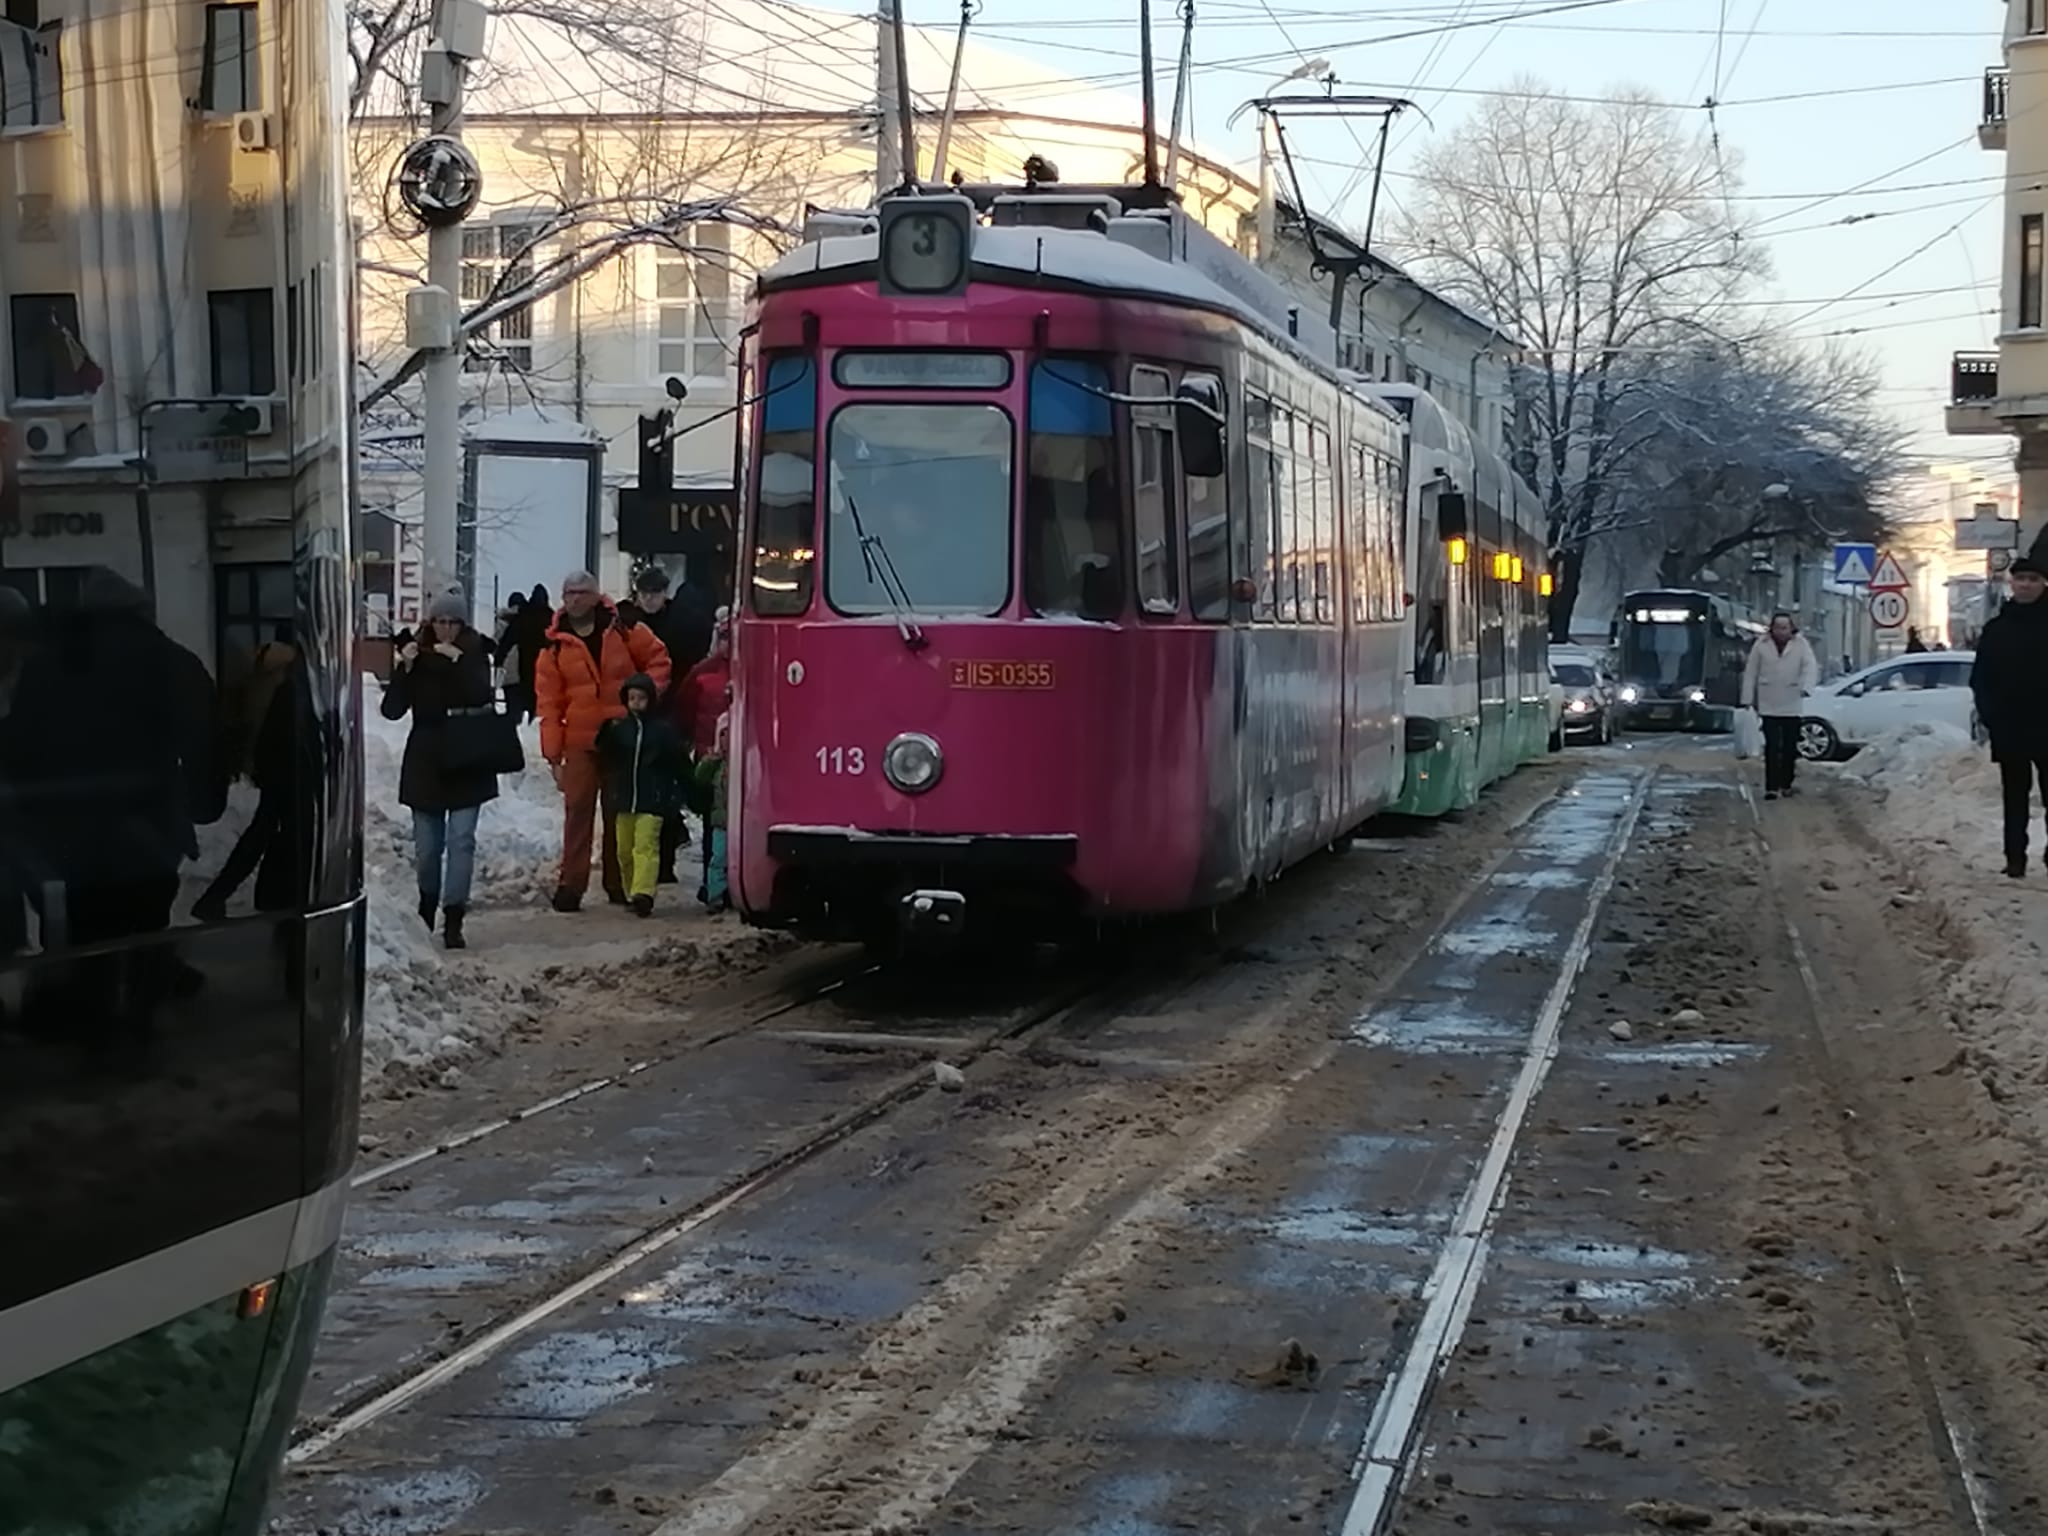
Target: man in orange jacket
(589, 654)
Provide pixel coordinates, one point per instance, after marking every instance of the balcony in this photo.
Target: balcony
(1997, 100)
(1973, 395)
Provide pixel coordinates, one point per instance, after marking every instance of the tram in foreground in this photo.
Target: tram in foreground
(181, 916)
(1679, 659)
(1078, 588)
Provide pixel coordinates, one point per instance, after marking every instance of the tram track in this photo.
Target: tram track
(729, 1023)
(315, 1438)
(1152, 1029)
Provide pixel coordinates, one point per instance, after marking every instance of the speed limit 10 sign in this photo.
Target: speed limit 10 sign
(1888, 609)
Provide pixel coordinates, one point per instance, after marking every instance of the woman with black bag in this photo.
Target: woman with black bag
(458, 746)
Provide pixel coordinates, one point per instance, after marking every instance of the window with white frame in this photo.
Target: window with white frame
(696, 330)
(31, 73)
(497, 258)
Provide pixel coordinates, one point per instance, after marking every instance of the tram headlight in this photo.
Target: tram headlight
(913, 762)
(1630, 694)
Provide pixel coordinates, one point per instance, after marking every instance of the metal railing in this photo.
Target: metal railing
(1973, 378)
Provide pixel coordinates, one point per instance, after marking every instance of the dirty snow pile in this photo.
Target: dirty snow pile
(1940, 791)
(1940, 814)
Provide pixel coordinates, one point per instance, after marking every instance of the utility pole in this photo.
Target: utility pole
(441, 83)
(893, 150)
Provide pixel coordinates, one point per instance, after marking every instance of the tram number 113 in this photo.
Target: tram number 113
(842, 760)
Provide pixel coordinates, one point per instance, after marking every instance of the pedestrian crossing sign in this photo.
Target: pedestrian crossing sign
(1855, 564)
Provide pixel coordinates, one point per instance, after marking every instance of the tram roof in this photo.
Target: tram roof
(1206, 274)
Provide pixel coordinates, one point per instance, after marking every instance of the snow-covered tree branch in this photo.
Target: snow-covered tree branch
(1601, 236)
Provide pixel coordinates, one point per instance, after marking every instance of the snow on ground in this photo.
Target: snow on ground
(1935, 804)
(427, 1009)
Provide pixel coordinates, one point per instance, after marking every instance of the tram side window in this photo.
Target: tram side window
(1073, 530)
(1287, 487)
(1154, 476)
(1324, 551)
(1208, 523)
(785, 511)
(1259, 516)
(1359, 513)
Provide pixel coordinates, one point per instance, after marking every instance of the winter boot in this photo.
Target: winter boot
(643, 906)
(2016, 869)
(451, 928)
(567, 900)
(428, 902)
(616, 898)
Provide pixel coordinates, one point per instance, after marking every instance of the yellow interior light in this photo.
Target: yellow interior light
(1517, 577)
(1457, 551)
(1545, 585)
(1501, 567)
(256, 1298)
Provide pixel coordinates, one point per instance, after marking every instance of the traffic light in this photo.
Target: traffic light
(657, 453)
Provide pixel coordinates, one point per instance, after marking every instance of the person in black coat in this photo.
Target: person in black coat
(450, 671)
(2010, 681)
(645, 765)
(270, 761)
(683, 623)
(519, 651)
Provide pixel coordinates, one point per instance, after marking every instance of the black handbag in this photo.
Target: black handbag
(481, 741)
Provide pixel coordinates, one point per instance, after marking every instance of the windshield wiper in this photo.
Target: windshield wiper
(881, 572)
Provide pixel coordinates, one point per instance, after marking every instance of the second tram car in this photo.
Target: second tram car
(181, 914)
(1078, 589)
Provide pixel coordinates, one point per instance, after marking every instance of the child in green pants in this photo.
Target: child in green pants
(647, 766)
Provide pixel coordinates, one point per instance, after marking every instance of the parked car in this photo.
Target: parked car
(1588, 686)
(1850, 712)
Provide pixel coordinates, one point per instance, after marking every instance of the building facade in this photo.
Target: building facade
(171, 327)
(2005, 393)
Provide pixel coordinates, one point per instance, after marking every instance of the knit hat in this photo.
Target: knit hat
(449, 605)
(2026, 567)
(641, 681)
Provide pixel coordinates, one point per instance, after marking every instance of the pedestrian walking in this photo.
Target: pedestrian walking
(646, 767)
(519, 648)
(2010, 681)
(1781, 672)
(701, 697)
(583, 667)
(262, 749)
(711, 788)
(446, 672)
(685, 627)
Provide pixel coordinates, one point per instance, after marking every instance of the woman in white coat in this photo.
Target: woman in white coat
(1781, 672)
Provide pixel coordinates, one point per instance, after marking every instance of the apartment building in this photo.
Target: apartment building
(173, 303)
(773, 111)
(2005, 393)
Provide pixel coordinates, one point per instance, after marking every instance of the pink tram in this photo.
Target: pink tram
(1075, 583)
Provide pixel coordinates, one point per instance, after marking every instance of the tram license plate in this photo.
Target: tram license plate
(1007, 676)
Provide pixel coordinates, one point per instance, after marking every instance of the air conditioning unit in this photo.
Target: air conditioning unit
(45, 438)
(264, 411)
(252, 131)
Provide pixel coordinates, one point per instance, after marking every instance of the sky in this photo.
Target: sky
(1853, 123)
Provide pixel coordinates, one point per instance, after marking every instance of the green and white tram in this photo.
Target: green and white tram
(1477, 693)
(181, 918)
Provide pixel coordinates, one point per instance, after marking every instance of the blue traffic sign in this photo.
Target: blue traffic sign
(1855, 564)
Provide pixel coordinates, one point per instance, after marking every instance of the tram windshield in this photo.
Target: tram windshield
(920, 499)
(1667, 647)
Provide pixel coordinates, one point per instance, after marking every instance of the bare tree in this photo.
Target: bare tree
(1596, 234)
(1732, 450)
